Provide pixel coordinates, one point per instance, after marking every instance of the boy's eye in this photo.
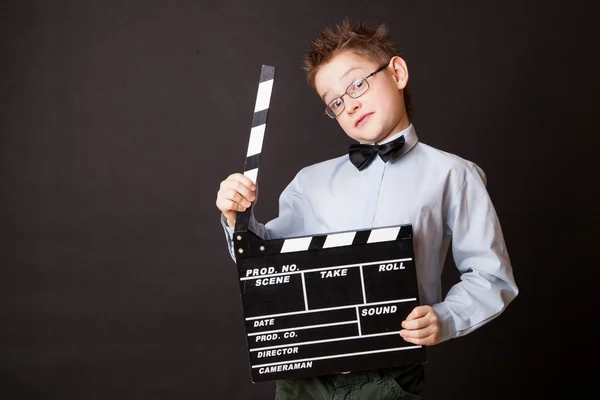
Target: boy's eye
(337, 103)
(358, 83)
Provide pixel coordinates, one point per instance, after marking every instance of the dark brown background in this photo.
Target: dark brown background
(119, 120)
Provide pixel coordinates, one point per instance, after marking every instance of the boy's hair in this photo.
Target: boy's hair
(375, 45)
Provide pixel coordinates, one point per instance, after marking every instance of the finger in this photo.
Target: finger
(228, 205)
(418, 323)
(242, 179)
(417, 333)
(233, 206)
(230, 200)
(235, 196)
(423, 341)
(239, 187)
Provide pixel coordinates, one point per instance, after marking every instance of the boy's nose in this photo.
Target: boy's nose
(352, 105)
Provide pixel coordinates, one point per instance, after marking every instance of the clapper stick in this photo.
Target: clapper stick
(327, 303)
(257, 134)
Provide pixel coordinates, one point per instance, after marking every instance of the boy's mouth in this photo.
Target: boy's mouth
(362, 120)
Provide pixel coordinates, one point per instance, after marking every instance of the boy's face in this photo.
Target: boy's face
(376, 114)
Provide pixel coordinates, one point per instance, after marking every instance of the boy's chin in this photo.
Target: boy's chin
(369, 138)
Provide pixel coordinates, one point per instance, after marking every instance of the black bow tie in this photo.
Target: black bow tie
(361, 155)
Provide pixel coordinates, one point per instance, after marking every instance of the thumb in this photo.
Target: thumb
(230, 217)
(417, 312)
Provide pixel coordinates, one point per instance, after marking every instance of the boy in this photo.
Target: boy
(388, 178)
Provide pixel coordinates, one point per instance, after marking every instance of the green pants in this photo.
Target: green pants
(404, 383)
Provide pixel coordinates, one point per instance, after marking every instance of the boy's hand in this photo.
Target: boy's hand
(235, 194)
(422, 326)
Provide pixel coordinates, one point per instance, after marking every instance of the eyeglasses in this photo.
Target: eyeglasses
(354, 90)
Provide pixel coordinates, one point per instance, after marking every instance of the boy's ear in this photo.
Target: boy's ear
(399, 72)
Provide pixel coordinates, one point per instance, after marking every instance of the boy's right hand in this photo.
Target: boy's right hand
(235, 194)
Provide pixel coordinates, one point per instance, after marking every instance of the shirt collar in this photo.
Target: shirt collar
(410, 140)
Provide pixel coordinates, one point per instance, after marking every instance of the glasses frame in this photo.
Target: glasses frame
(364, 79)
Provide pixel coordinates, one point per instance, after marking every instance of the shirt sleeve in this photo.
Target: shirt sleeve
(294, 212)
(486, 284)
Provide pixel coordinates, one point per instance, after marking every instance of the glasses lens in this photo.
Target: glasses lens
(335, 107)
(358, 88)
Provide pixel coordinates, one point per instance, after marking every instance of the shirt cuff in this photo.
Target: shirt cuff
(229, 236)
(228, 229)
(447, 326)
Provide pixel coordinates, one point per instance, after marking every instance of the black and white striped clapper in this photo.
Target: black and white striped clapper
(324, 304)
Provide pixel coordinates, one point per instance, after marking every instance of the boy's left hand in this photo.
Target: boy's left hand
(422, 326)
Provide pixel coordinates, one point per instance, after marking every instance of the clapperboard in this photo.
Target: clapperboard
(316, 305)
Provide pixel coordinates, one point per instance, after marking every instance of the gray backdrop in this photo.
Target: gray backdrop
(120, 120)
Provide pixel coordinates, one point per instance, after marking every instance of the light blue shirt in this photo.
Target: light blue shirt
(441, 195)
